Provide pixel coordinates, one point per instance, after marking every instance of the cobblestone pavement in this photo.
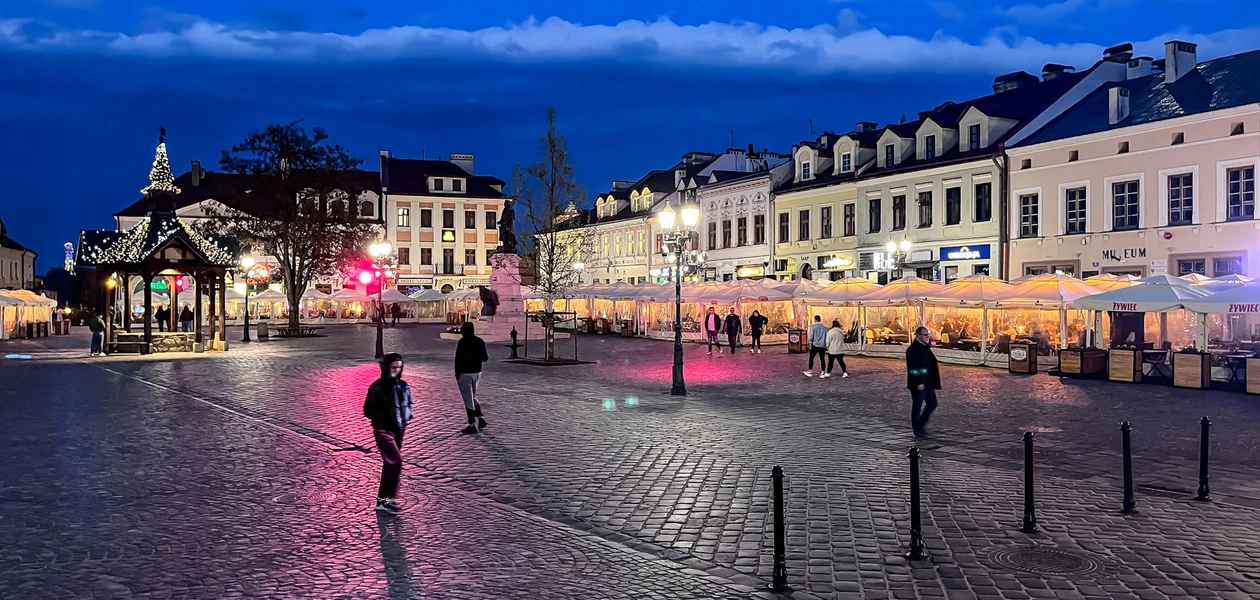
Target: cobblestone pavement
(591, 483)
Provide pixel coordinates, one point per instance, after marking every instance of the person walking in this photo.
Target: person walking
(395, 311)
(186, 319)
(163, 317)
(923, 377)
(712, 327)
(733, 327)
(470, 353)
(817, 347)
(756, 324)
(98, 333)
(835, 349)
(388, 407)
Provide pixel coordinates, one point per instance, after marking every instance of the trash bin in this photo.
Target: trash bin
(590, 326)
(627, 329)
(262, 331)
(605, 326)
(1023, 358)
(797, 342)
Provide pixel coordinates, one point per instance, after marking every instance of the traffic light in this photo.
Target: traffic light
(179, 284)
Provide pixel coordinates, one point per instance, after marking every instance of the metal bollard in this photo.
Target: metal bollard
(779, 583)
(1030, 511)
(1205, 495)
(514, 345)
(1129, 504)
(916, 551)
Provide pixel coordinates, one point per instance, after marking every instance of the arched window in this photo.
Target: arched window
(367, 209)
(338, 209)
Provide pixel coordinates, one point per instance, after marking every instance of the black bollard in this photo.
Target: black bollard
(1030, 510)
(1205, 495)
(514, 345)
(916, 551)
(779, 583)
(1129, 504)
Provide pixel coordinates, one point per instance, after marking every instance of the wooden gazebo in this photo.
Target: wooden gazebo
(162, 245)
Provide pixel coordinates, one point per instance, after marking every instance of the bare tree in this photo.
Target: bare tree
(296, 199)
(552, 235)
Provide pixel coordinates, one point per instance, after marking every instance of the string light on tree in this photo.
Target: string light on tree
(160, 177)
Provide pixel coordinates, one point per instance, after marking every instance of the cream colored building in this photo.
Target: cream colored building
(1152, 175)
(815, 220)
(17, 263)
(442, 221)
(736, 218)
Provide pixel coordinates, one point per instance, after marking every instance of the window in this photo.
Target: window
(426, 217)
(470, 219)
(1236, 129)
(1124, 202)
(925, 209)
(1227, 266)
(784, 225)
(1029, 206)
(404, 217)
(929, 149)
(953, 206)
(448, 219)
(742, 231)
(846, 163)
(889, 153)
(1123, 149)
(1181, 199)
(898, 213)
(1240, 193)
(470, 257)
(660, 242)
(642, 243)
(1194, 265)
(850, 219)
(805, 170)
(457, 185)
(404, 256)
(437, 185)
(1179, 138)
(873, 208)
(984, 202)
(825, 218)
(980, 269)
(338, 209)
(448, 261)
(759, 229)
(712, 236)
(1075, 211)
(367, 209)
(426, 256)
(1074, 155)
(492, 219)
(726, 233)
(1025, 164)
(802, 230)
(973, 137)
(617, 245)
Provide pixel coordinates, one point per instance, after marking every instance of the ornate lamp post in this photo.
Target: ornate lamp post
(380, 264)
(247, 271)
(896, 255)
(682, 261)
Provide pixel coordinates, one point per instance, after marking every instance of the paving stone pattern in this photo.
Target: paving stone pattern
(676, 488)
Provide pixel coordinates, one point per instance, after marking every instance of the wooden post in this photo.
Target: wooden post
(211, 287)
(148, 309)
(126, 282)
(223, 307)
(197, 311)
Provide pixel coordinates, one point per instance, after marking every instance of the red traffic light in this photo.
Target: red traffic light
(179, 283)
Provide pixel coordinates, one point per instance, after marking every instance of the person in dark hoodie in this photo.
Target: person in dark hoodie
(388, 406)
(923, 377)
(470, 352)
(733, 327)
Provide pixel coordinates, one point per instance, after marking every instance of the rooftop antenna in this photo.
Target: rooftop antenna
(811, 128)
(732, 138)
(903, 118)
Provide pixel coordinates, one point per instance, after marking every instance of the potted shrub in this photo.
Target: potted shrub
(1192, 368)
(1124, 363)
(1080, 360)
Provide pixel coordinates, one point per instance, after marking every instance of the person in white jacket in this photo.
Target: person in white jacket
(835, 349)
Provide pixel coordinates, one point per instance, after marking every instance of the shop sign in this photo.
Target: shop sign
(748, 271)
(977, 252)
(1019, 353)
(885, 261)
(1244, 308)
(1124, 306)
(838, 262)
(1124, 254)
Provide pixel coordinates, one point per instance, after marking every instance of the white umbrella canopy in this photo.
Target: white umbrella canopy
(799, 287)
(314, 294)
(971, 290)
(906, 289)
(349, 295)
(615, 291)
(1107, 282)
(847, 290)
(1048, 290)
(1146, 297)
(744, 289)
(1195, 278)
(268, 296)
(1241, 298)
(392, 296)
(428, 295)
(1166, 279)
(1232, 278)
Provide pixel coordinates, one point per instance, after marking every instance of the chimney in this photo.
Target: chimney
(1012, 81)
(1052, 70)
(1140, 67)
(751, 151)
(384, 153)
(1117, 104)
(1119, 54)
(621, 185)
(196, 173)
(1179, 59)
(463, 161)
(864, 126)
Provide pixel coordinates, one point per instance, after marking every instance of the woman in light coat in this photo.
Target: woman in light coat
(835, 349)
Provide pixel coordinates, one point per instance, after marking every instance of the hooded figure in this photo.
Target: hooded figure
(470, 353)
(388, 407)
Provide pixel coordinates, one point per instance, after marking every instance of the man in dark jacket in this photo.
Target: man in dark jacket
(923, 377)
(388, 406)
(98, 333)
(470, 352)
(733, 327)
(712, 327)
(756, 325)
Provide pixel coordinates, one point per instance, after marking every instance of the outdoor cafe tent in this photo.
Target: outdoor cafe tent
(1233, 311)
(1046, 304)
(9, 308)
(428, 305)
(20, 307)
(1107, 282)
(1156, 296)
(900, 301)
(1196, 278)
(956, 314)
(1232, 278)
(838, 302)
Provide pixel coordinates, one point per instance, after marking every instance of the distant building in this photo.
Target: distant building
(17, 263)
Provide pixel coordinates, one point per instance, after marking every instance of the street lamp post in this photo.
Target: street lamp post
(895, 258)
(674, 242)
(380, 254)
(247, 265)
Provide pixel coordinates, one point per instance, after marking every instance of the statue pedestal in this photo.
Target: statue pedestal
(505, 282)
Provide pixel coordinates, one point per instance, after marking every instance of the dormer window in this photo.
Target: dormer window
(805, 174)
(457, 185)
(846, 163)
(973, 137)
(929, 147)
(890, 153)
(437, 185)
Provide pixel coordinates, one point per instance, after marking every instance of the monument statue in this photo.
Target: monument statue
(507, 230)
(489, 301)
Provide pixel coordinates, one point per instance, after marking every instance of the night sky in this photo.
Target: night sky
(84, 84)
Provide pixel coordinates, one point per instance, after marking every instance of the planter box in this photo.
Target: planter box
(1124, 365)
(1192, 370)
(1023, 358)
(797, 344)
(1082, 361)
(1252, 376)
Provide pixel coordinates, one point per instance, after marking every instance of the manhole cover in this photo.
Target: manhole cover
(1045, 561)
(305, 498)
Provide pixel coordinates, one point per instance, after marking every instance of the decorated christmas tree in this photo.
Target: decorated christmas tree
(160, 178)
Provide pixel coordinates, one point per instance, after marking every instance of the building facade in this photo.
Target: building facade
(17, 263)
(442, 221)
(1155, 174)
(736, 227)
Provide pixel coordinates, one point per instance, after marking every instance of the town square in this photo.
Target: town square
(844, 300)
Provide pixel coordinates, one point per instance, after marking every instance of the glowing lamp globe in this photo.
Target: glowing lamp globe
(247, 261)
(667, 217)
(365, 277)
(890, 247)
(905, 245)
(690, 215)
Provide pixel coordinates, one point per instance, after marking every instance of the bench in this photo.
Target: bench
(111, 347)
(297, 332)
